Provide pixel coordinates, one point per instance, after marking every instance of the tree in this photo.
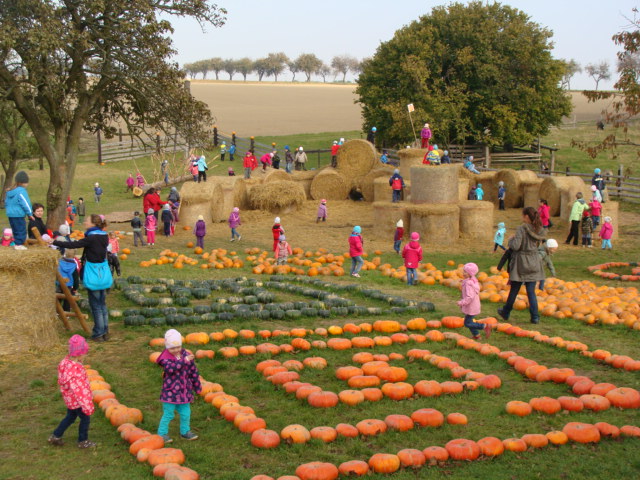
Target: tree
(245, 67)
(74, 66)
(478, 73)
(309, 64)
(190, 69)
(293, 68)
(356, 66)
(598, 72)
(216, 65)
(571, 68)
(230, 66)
(324, 71)
(203, 67)
(261, 67)
(276, 63)
(342, 64)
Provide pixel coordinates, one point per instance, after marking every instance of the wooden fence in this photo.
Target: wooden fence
(131, 148)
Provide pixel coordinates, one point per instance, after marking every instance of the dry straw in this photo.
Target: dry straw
(367, 186)
(277, 197)
(28, 325)
(356, 158)
(305, 179)
(532, 193)
(410, 157)
(514, 181)
(276, 175)
(434, 184)
(330, 184)
(386, 215)
(194, 192)
(436, 222)
(551, 188)
(223, 199)
(476, 220)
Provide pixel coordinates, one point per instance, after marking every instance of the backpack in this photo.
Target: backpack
(472, 195)
(396, 184)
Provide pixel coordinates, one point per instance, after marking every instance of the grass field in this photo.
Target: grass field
(33, 405)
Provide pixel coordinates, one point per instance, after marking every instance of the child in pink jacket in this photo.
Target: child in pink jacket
(76, 393)
(356, 251)
(606, 232)
(412, 254)
(283, 250)
(470, 303)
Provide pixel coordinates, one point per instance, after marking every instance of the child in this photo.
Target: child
(587, 228)
(276, 230)
(223, 151)
(112, 253)
(356, 251)
(596, 210)
(322, 211)
(445, 157)
(136, 226)
(398, 236)
(479, 192)
(283, 250)
(249, 164)
(7, 238)
(97, 192)
(234, 222)
(501, 194)
(18, 206)
(68, 268)
(194, 170)
(139, 180)
(335, 148)
(384, 158)
(130, 183)
(546, 250)
(167, 218)
(543, 213)
(180, 379)
(231, 172)
(606, 232)
(74, 386)
(200, 231)
(63, 235)
(71, 213)
(468, 164)
(396, 182)
(412, 254)
(470, 303)
(150, 224)
(81, 210)
(472, 193)
(232, 151)
(275, 161)
(266, 160)
(288, 158)
(498, 238)
(595, 193)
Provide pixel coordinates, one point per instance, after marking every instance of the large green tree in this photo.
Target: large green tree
(74, 65)
(478, 73)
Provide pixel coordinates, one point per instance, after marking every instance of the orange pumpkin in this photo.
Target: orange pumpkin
(401, 423)
(412, 458)
(428, 417)
(295, 434)
(165, 455)
(371, 426)
(463, 449)
(317, 471)
(323, 399)
(384, 463)
(491, 446)
(435, 454)
(326, 434)
(354, 468)
(582, 432)
(346, 430)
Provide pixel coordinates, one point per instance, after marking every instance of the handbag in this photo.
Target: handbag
(97, 276)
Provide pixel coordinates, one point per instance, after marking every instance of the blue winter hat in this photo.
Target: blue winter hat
(479, 185)
(286, 147)
(435, 147)
(374, 129)
(597, 170)
(357, 229)
(501, 225)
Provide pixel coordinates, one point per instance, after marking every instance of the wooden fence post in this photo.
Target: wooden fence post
(158, 143)
(487, 156)
(99, 147)
(120, 136)
(619, 179)
(553, 161)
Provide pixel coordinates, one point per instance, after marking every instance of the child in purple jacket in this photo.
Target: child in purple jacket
(234, 222)
(180, 379)
(200, 231)
(322, 211)
(470, 303)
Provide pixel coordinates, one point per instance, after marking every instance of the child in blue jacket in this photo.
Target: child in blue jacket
(498, 238)
(18, 205)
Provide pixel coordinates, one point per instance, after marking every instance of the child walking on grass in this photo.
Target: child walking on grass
(150, 225)
(398, 235)
(136, 226)
(546, 250)
(180, 380)
(322, 211)
(234, 222)
(498, 238)
(200, 230)
(356, 251)
(74, 386)
(412, 254)
(276, 231)
(470, 302)
(283, 250)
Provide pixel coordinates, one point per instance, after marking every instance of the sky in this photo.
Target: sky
(582, 29)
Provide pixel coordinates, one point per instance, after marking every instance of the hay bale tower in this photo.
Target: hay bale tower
(436, 221)
(386, 215)
(27, 289)
(330, 184)
(382, 190)
(434, 184)
(532, 193)
(476, 220)
(223, 199)
(356, 158)
(551, 187)
(277, 197)
(304, 179)
(464, 185)
(241, 192)
(368, 188)
(410, 157)
(514, 181)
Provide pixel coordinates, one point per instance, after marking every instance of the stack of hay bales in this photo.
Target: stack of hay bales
(28, 325)
(436, 221)
(330, 184)
(476, 220)
(367, 186)
(532, 193)
(514, 182)
(196, 199)
(277, 196)
(386, 215)
(551, 190)
(241, 192)
(410, 157)
(304, 178)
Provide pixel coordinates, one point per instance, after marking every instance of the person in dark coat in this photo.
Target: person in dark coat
(200, 231)
(167, 218)
(371, 136)
(36, 221)
(597, 180)
(396, 182)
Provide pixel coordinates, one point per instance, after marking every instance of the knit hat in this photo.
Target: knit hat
(479, 185)
(231, 169)
(335, 142)
(400, 223)
(46, 237)
(357, 229)
(593, 188)
(301, 149)
(172, 339)
(471, 269)
(415, 236)
(236, 209)
(7, 232)
(426, 125)
(282, 238)
(551, 243)
(324, 200)
(64, 229)
(431, 148)
(597, 170)
(501, 225)
(501, 183)
(150, 211)
(96, 184)
(174, 189)
(277, 220)
(78, 346)
(166, 206)
(200, 217)
(286, 147)
(374, 129)
(22, 177)
(470, 158)
(607, 219)
(446, 152)
(435, 147)
(396, 171)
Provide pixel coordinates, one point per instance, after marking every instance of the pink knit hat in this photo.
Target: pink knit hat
(471, 269)
(415, 236)
(7, 232)
(78, 346)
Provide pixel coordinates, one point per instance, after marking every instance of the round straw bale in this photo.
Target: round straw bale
(463, 189)
(32, 325)
(305, 178)
(513, 180)
(532, 193)
(194, 192)
(367, 186)
(386, 215)
(410, 157)
(329, 184)
(435, 221)
(241, 192)
(610, 209)
(434, 184)
(381, 189)
(277, 197)
(476, 220)
(223, 199)
(552, 186)
(356, 158)
(275, 175)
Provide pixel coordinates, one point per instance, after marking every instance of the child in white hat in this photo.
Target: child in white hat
(276, 231)
(398, 236)
(546, 250)
(97, 192)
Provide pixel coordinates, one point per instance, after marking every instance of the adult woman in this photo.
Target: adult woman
(96, 274)
(152, 200)
(36, 221)
(525, 266)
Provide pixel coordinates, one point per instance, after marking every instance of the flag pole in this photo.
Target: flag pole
(411, 108)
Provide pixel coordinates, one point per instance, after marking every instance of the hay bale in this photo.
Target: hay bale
(513, 182)
(28, 324)
(609, 209)
(463, 189)
(194, 192)
(330, 184)
(381, 189)
(434, 184)
(367, 186)
(386, 215)
(532, 193)
(435, 222)
(305, 178)
(410, 157)
(241, 192)
(277, 197)
(356, 158)
(476, 220)
(223, 199)
(276, 175)
(552, 186)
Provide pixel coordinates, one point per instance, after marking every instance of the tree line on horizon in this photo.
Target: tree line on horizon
(276, 64)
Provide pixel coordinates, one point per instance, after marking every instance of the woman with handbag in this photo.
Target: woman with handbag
(95, 273)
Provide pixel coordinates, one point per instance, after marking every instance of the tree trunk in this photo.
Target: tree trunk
(275, 76)
(10, 172)
(217, 76)
(344, 76)
(294, 77)
(260, 75)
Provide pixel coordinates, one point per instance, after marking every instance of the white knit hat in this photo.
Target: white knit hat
(172, 339)
(551, 243)
(400, 223)
(277, 220)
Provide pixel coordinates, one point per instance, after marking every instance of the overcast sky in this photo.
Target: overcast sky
(582, 29)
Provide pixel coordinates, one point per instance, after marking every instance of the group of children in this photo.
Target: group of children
(585, 217)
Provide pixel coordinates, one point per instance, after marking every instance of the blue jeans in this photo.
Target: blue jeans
(541, 285)
(356, 264)
(396, 245)
(247, 172)
(19, 227)
(98, 305)
(531, 295)
(169, 411)
(605, 244)
(234, 233)
(596, 221)
(288, 167)
(83, 430)
(396, 196)
(474, 327)
(411, 276)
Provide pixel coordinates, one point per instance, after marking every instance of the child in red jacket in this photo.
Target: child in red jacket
(412, 254)
(398, 235)
(76, 393)
(355, 251)
(276, 231)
